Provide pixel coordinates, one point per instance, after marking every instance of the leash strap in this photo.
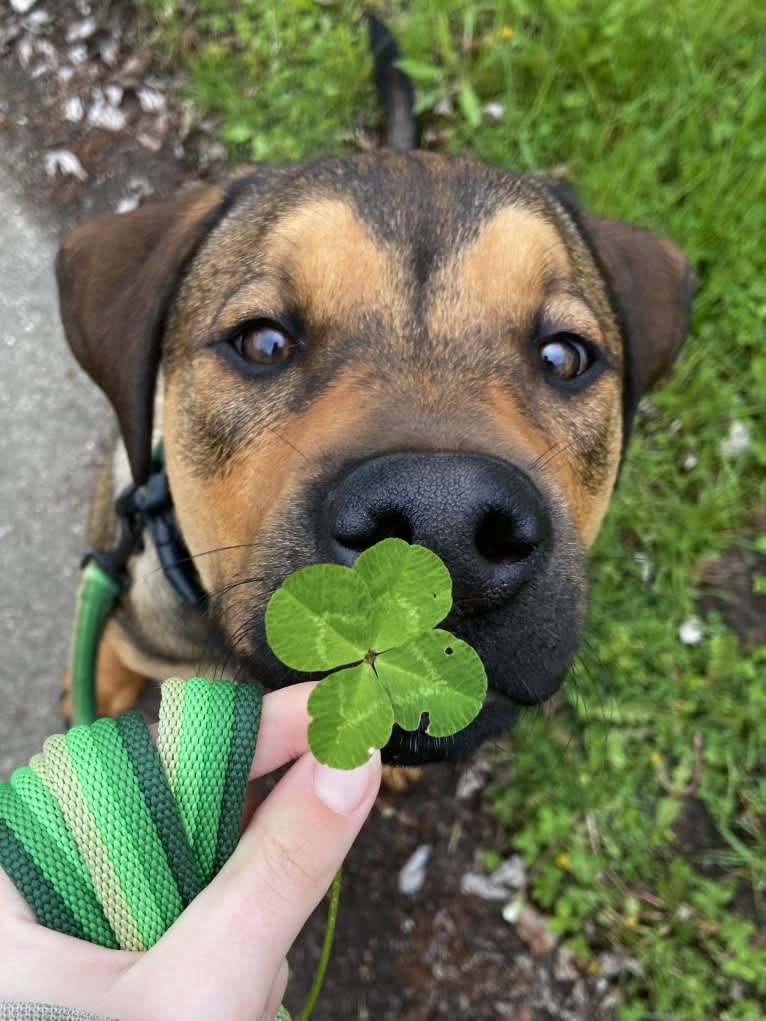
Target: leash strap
(108, 836)
(98, 593)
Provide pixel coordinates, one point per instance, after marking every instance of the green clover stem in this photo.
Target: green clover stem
(324, 960)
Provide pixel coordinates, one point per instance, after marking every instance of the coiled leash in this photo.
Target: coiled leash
(108, 837)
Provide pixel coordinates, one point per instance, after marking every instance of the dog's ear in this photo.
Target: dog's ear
(117, 277)
(653, 283)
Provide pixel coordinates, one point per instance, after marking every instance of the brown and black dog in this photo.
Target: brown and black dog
(391, 344)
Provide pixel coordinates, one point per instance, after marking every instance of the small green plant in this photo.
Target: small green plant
(373, 625)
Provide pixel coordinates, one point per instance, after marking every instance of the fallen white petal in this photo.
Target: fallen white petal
(77, 55)
(114, 94)
(73, 109)
(65, 162)
(102, 115)
(495, 111)
(37, 19)
(690, 631)
(512, 910)
(151, 100)
(81, 30)
(476, 884)
(25, 51)
(412, 874)
(127, 204)
(737, 441)
(511, 873)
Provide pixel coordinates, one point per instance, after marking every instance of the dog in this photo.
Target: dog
(396, 343)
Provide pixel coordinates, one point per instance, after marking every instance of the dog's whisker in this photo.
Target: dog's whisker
(579, 669)
(289, 443)
(540, 460)
(530, 720)
(221, 664)
(192, 557)
(580, 676)
(602, 689)
(230, 586)
(561, 448)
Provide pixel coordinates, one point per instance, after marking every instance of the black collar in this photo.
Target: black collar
(150, 508)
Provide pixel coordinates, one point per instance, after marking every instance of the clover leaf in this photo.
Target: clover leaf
(373, 625)
(410, 588)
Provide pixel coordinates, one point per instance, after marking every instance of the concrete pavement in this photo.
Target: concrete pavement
(53, 425)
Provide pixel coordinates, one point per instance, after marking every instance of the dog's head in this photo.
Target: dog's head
(384, 345)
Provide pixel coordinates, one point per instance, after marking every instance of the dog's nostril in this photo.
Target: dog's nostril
(391, 525)
(498, 539)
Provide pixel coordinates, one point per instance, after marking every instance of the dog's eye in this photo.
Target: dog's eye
(564, 356)
(264, 343)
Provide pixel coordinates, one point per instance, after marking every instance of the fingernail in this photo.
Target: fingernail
(343, 790)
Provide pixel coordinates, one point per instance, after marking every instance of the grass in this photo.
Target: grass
(658, 113)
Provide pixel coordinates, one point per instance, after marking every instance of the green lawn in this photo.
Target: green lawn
(659, 113)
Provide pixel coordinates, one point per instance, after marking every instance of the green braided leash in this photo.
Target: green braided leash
(109, 837)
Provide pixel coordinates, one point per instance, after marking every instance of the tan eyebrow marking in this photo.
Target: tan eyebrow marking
(507, 269)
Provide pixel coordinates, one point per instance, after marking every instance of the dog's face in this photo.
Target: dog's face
(390, 345)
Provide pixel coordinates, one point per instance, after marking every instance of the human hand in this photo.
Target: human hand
(225, 956)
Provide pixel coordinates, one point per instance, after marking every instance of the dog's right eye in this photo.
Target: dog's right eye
(264, 343)
(564, 356)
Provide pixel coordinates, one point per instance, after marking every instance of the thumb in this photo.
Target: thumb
(221, 958)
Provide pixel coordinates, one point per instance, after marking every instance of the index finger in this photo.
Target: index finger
(283, 734)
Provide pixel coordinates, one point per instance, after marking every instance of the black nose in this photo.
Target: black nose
(481, 515)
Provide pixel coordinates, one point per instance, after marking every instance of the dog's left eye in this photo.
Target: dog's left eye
(264, 343)
(565, 356)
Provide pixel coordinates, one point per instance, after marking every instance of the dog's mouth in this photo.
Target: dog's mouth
(416, 747)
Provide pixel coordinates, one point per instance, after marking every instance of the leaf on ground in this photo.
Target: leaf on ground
(434, 673)
(411, 591)
(319, 618)
(351, 715)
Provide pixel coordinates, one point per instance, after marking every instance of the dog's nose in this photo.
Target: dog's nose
(482, 516)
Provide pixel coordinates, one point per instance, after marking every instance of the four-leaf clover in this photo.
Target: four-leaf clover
(373, 626)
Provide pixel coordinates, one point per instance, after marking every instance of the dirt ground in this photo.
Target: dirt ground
(91, 120)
